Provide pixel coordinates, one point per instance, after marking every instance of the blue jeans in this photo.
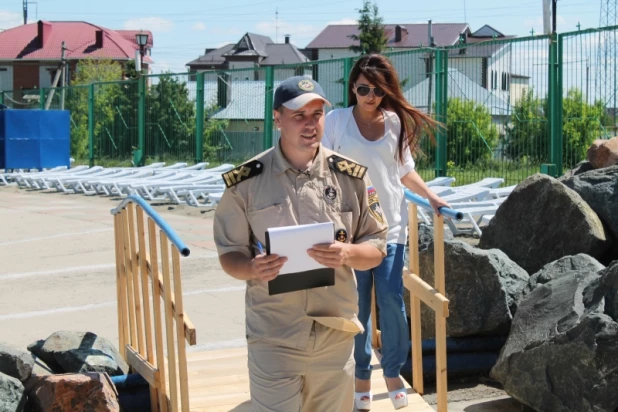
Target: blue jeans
(393, 319)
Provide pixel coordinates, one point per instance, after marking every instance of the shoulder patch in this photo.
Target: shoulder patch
(347, 167)
(242, 172)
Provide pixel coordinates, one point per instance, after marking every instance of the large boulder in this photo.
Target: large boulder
(76, 352)
(603, 153)
(561, 353)
(581, 167)
(89, 392)
(12, 396)
(15, 362)
(599, 188)
(541, 221)
(578, 265)
(483, 287)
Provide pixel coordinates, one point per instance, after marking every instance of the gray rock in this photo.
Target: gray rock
(483, 287)
(425, 236)
(560, 355)
(12, 396)
(77, 352)
(581, 167)
(15, 362)
(541, 221)
(610, 281)
(567, 266)
(599, 188)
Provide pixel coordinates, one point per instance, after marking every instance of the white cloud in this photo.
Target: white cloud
(199, 26)
(158, 24)
(8, 19)
(346, 20)
(225, 31)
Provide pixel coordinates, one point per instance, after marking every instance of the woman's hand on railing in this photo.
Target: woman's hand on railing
(424, 203)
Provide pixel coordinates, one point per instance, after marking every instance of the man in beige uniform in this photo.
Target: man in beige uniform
(300, 343)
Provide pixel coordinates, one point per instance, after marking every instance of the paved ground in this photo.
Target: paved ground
(58, 273)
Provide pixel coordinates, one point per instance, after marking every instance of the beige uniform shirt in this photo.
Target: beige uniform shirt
(267, 193)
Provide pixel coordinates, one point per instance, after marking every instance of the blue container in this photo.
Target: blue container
(34, 139)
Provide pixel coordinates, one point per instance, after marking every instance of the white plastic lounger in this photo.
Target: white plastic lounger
(441, 181)
(8, 178)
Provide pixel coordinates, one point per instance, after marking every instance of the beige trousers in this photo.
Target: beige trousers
(317, 379)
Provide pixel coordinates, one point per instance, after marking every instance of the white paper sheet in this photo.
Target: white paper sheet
(294, 241)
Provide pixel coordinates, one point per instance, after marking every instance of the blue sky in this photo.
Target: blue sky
(184, 28)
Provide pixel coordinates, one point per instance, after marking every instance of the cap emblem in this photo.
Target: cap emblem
(305, 85)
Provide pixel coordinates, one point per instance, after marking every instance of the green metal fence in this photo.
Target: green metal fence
(510, 107)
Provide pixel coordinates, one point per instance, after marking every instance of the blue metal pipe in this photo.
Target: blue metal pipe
(424, 203)
(167, 229)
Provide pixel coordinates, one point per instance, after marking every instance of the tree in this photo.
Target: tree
(582, 124)
(371, 38)
(471, 136)
(528, 133)
(171, 121)
(529, 136)
(92, 71)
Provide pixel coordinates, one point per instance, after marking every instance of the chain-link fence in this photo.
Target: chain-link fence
(510, 107)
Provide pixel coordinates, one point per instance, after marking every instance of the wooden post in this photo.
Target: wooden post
(169, 321)
(180, 332)
(156, 296)
(121, 297)
(415, 303)
(146, 299)
(138, 306)
(441, 374)
(375, 342)
(129, 278)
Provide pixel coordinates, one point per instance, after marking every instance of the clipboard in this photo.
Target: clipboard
(300, 272)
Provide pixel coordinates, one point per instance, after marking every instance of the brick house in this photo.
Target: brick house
(30, 54)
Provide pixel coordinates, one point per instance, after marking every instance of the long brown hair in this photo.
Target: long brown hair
(380, 72)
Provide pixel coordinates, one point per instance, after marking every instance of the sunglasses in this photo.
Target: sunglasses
(365, 90)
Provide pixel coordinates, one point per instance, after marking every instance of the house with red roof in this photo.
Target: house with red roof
(31, 54)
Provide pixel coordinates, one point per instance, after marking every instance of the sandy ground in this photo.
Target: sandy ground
(57, 273)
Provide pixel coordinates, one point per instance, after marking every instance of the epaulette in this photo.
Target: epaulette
(347, 167)
(242, 172)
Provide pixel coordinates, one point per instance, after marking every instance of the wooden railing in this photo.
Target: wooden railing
(432, 296)
(150, 303)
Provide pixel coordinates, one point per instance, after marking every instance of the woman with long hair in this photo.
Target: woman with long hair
(381, 130)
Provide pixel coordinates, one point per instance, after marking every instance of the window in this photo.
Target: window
(505, 81)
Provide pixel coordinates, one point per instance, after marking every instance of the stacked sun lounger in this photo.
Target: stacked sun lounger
(178, 183)
(478, 201)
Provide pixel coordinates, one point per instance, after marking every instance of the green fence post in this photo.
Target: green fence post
(199, 118)
(42, 98)
(441, 108)
(1, 97)
(91, 124)
(268, 107)
(347, 67)
(555, 109)
(558, 126)
(141, 122)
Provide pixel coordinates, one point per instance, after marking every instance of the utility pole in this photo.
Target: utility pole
(554, 8)
(430, 70)
(25, 11)
(64, 74)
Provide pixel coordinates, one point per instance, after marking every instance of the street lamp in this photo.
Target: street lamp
(141, 39)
